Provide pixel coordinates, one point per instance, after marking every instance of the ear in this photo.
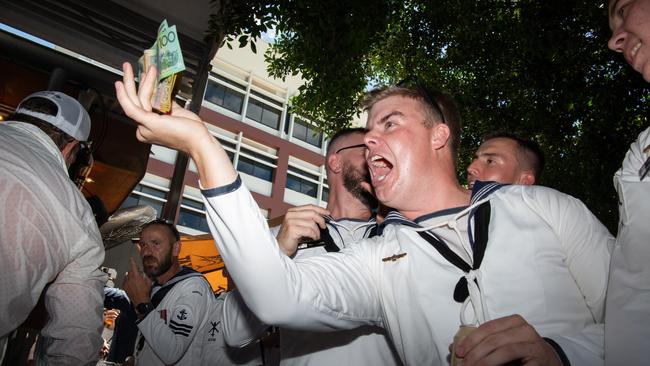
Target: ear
(439, 136)
(176, 249)
(334, 163)
(69, 152)
(527, 178)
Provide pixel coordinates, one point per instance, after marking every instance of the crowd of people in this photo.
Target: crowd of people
(404, 266)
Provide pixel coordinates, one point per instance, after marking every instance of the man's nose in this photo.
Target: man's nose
(472, 168)
(370, 139)
(617, 41)
(145, 249)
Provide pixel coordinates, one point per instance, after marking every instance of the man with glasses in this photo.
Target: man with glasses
(627, 324)
(308, 231)
(444, 259)
(175, 312)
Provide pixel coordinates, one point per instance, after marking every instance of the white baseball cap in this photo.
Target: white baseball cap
(70, 118)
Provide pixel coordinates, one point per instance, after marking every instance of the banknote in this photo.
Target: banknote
(167, 56)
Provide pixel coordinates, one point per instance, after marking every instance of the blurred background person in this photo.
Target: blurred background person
(49, 239)
(507, 159)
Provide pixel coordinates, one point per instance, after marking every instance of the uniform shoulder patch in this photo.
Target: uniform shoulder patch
(181, 322)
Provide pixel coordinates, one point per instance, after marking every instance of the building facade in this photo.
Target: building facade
(279, 155)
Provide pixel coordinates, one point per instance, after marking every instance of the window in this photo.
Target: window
(326, 194)
(302, 185)
(140, 196)
(264, 114)
(255, 168)
(302, 173)
(307, 133)
(225, 97)
(192, 215)
(268, 99)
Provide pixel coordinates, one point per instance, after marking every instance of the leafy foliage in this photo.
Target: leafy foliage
(328, 43)
(243, 20)
(540, 69)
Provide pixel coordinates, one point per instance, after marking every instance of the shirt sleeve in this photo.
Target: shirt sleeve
(171, 327)
(321, 293)
(587, 245)
(240, 326)
(115, 298)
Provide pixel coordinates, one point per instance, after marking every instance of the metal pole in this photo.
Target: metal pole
(171, 207)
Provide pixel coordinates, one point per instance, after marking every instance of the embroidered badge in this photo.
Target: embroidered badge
(182, 315)
(214, 329)
(393, 257)
(163, 315)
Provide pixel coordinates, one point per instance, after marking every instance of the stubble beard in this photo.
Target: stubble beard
(352, 179)
(161, 268)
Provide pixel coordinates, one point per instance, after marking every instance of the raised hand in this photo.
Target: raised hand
(181, 130)
(136, 285)
(300, 222)
(502, 340)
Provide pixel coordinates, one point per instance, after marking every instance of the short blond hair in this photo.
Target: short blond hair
(438, 108)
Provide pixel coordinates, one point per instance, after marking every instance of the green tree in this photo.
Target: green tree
(540, 69)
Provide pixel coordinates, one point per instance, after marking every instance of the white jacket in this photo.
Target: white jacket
(48, 235)
(627, 326)
(367, 345)
(547, 259)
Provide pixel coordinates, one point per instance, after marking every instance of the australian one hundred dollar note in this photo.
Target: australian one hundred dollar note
(166, 55)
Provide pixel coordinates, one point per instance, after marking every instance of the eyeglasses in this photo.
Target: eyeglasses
(350, 147)
(414, 83)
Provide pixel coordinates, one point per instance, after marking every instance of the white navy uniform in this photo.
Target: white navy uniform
(627, 324)
(547, 259)
(182, 329)
(367, 345)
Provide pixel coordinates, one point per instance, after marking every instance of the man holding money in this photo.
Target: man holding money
(627, 327)
(444, 259)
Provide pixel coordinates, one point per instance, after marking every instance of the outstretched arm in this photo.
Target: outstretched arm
(311, 297)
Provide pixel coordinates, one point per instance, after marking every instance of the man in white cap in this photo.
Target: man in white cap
(49, 241)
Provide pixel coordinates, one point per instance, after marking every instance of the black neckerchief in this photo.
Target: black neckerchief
(326, 240)
(478, 239)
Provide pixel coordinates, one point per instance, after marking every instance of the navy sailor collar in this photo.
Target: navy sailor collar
(480, 191)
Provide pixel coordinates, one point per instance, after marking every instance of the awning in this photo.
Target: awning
(200, 253)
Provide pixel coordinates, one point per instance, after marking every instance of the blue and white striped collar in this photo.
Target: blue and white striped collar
(480, 191)
(483, 189)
